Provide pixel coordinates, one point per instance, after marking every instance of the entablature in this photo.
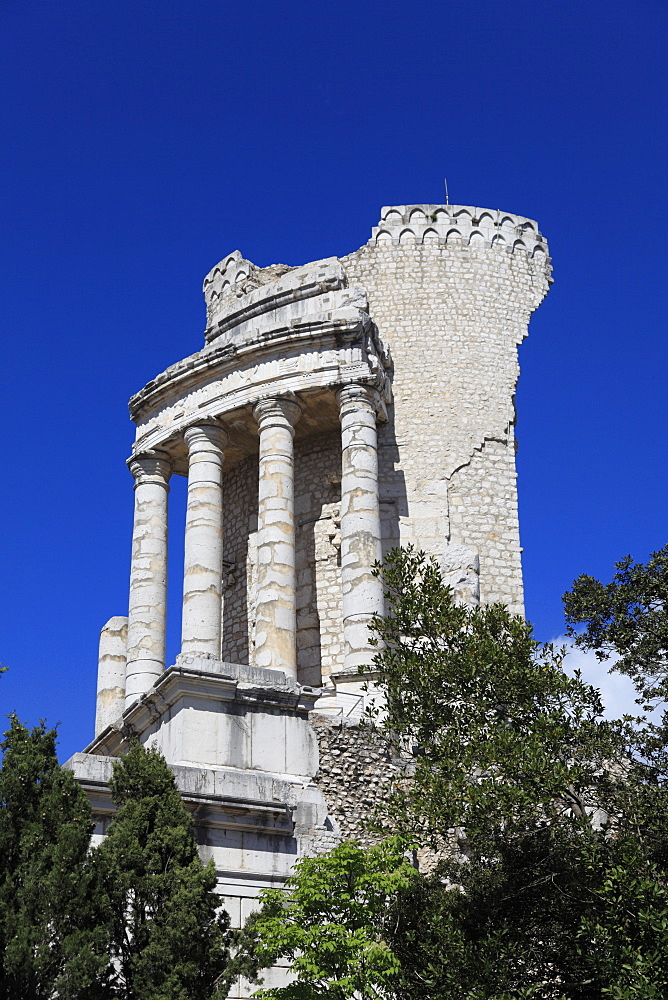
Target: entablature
(302, 332)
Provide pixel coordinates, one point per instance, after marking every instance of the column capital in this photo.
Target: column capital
(205, 437)
(277, 411)
(154, 467)
(358, 395)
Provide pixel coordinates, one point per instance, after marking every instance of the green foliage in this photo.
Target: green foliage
(165, 938)
(567, 913)
(628, 617)
(500, 737)
(550, 823)
(135, 919)
(331, 923)
(629, 931)
(47, 944)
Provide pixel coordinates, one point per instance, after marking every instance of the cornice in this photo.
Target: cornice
(231, 812)
(344, 326)
(466, 224)
(315, 279)
(206, 678)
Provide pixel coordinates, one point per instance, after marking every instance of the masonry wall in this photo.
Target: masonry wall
(318, 552)
(240, 487)
(452, 315)
(482, 501)
(318, 546)
(355, 775)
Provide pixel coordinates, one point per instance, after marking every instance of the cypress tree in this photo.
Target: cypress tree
(46, 930)
(166, 938)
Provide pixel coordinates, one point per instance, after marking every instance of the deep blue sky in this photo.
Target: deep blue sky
(143, 140)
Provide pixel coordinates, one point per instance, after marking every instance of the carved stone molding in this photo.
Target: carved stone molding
(154, 467)
(277, 411)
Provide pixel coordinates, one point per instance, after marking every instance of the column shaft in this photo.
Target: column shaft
(360, 522)
(276, 614)
(148, 574)
(203, 563)
(111, 667)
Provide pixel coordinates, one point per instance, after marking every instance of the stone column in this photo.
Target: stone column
(148, 574)
(203, 563)
(360, 522)
(111, 663)
(276, 612)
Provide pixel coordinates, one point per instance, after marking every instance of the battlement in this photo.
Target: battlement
(231, 279)
(460, 224)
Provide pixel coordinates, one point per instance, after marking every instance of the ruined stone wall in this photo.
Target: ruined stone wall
(355, 775)
(482, 499)
(452, 314)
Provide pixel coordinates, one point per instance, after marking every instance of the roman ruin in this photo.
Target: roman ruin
(335, 410)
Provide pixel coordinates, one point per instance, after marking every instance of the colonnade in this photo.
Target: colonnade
(275, 631)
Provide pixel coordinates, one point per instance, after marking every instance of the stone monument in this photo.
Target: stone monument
(336, 410)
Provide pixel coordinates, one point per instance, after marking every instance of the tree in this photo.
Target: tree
(47, 945)
(509, 757)
(166, 938)
(497, 736)
(549, 826)
(629, 617)
(330, 923)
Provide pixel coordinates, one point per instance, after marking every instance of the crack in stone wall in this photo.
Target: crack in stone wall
(484, 515)
(452, 316)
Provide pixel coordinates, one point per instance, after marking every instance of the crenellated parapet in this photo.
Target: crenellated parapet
(459, 224)
(310, 298)
(231, 279)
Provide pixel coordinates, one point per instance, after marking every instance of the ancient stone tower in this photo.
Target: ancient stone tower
(334, 411)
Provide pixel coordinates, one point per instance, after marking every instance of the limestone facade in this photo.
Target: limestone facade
(335, 410)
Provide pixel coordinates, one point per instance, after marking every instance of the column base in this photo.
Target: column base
(140, 677)
(349, 694)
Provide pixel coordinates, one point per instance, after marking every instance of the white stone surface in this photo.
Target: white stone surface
(111, 665)
(304, 330)
(309, 296)
(148, 574)
(453, 310)
(400, 360)
(360, 523)
(203, 560)
(275, 607)
(411, 225)
(460, 566)
(449, 289)
(244, 754)
(207, 713)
